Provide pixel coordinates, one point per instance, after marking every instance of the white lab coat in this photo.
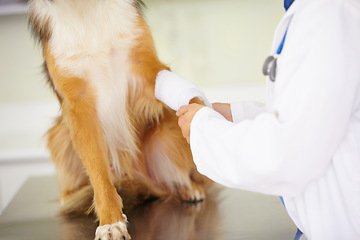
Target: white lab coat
(306, 145)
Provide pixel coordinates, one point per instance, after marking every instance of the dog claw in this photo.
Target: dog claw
(193, 196)
(114, 231)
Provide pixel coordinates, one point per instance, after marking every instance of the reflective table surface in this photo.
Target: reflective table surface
(228, 215)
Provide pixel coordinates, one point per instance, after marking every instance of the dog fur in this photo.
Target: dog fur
(101, 62)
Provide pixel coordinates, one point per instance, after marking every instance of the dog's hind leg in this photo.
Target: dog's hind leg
(70, 170)
(169, 161)
(80, 113)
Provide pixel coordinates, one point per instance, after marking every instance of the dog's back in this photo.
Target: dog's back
(101, 61)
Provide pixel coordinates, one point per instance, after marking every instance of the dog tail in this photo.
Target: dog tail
(78, 203)
(135, 192)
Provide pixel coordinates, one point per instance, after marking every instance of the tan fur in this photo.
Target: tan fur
(159, 163)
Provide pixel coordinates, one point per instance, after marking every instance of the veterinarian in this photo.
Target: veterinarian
(305, 146)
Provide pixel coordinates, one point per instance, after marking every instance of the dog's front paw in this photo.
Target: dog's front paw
(115, 231)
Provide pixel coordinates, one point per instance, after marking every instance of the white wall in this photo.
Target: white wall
(20, 63)
(215, 42)
(218, 44)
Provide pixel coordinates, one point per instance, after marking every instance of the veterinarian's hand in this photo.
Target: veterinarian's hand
(224, 109)
(186, 114)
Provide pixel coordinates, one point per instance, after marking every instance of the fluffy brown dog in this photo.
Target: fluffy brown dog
(101, 62)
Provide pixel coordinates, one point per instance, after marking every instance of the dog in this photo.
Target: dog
(112, 137)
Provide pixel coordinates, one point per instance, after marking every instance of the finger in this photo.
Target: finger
(182, 110)
(186, 108)
(182, 122)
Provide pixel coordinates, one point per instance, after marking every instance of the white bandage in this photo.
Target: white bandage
(176, 91)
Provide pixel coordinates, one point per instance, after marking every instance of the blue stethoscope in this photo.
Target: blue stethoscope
(269, 67)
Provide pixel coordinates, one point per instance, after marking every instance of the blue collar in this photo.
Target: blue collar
(287, 4)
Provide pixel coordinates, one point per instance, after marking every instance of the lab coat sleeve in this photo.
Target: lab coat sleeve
(282, 150)
(246, 110)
